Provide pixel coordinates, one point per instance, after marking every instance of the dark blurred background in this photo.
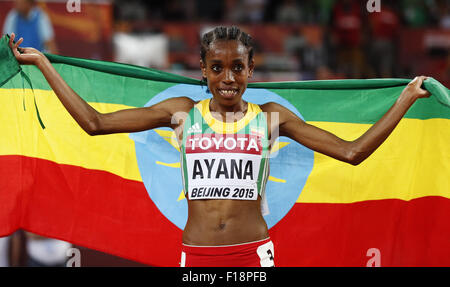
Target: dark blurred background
(295, 40)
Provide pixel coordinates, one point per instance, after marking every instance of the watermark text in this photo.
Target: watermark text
(73, 6)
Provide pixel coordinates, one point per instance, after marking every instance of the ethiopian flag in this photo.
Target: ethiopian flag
(123, 193)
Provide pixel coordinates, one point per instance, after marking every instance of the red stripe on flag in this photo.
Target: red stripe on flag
(103, 211)
(90, 208)
(406, 233)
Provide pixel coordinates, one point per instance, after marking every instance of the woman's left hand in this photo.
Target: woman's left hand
(25, 56)
(414, 90)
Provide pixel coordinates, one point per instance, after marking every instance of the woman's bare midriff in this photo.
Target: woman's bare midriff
(224, 222)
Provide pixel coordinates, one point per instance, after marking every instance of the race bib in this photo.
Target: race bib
(223, 166)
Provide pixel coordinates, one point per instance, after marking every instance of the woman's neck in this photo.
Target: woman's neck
(228, 113)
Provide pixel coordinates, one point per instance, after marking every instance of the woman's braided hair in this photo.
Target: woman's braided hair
(226, 33)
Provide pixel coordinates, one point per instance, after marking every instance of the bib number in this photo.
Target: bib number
(239, 193)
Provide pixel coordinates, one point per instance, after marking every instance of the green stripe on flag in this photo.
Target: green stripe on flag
(352, 101)
(365, 106)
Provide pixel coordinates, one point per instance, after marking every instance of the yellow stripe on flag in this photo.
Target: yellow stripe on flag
(405, 166)
(62, 141)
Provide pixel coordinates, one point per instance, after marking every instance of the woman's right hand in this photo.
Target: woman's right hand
(25, 56)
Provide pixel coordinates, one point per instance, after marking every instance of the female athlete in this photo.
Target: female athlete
(222, 154)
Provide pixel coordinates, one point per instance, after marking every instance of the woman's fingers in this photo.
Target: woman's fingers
(421, 79)
(417, 81)
(422, 92)
(11, 40)
(16, 46)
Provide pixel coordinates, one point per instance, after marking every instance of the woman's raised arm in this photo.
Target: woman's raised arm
(353, 152)
(89, 119)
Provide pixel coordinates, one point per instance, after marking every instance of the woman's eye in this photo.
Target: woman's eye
(238, 68)
(216, 68)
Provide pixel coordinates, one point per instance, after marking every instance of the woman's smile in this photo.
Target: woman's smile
(228, 93)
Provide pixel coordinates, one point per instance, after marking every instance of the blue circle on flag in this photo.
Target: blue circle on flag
(159, 161)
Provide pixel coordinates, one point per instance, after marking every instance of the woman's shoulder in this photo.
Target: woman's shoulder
(271, 107)
(179, 104)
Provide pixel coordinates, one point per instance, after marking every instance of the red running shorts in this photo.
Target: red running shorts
(252, 254)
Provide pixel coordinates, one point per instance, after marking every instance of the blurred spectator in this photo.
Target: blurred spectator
(347, 29)
(46, 252)
(384, 31)
(416, 13)
(289, 12)
(28, 21)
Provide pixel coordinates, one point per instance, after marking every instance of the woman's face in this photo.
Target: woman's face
(227, 70)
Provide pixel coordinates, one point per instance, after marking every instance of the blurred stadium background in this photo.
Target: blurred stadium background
(295, 40)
